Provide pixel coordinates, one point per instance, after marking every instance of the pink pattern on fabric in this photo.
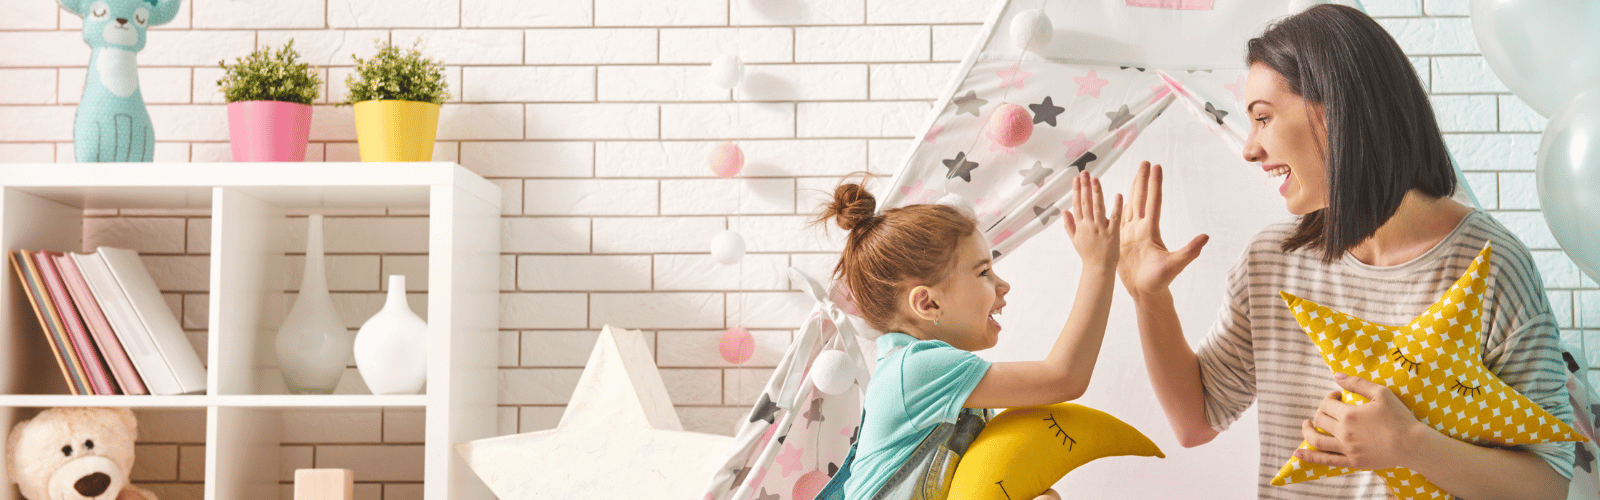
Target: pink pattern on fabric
(1001, 237)
(1237, 88)
(917, 194)
(1172, 4)
(1178, 86)
(1126, 136)
(789, 459)
(989, 205)
(933, 134)
(995, 146)
(1076, 146)
(1160, 91)
(1013, 77)
(1089, 84)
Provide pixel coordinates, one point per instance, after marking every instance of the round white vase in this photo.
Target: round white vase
(391, 347)
(312, 343)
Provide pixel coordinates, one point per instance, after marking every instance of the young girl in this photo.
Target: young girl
(923, 275)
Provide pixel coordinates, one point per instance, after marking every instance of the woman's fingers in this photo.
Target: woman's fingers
(1152, 208)
(1136, 193)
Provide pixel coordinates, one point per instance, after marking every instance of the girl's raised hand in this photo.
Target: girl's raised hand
(1094, 233)
(1147, 266)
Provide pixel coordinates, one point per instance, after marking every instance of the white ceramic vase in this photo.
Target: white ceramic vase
(391, 347)
(313, 344)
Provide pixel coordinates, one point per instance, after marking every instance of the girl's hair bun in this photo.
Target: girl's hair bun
(852, 204)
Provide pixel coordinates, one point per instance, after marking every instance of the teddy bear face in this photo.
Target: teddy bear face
(72, 453)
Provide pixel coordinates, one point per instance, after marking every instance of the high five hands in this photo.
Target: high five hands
(1146, 265)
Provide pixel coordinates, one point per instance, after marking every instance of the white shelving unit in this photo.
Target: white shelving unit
(42, 206)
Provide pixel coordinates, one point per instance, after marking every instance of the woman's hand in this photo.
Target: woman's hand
(1093, 233)
(1379, 434)
(1146, 265)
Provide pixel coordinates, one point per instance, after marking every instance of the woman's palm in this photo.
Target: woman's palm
(1146, 265)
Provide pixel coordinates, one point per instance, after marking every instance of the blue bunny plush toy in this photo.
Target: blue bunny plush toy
(112, 124)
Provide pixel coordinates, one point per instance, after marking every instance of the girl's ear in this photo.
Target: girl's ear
(74, 6)
(163, 12)
(924, 304)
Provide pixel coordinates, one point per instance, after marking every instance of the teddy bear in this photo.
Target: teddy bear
(75, 454)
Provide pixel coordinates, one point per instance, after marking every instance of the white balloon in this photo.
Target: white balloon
(726, 71)
(832, 372)
(956, 200)
(1031, 30)
(727, 247)
(1543, 50)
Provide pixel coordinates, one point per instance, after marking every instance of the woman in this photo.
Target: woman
(1339, 114)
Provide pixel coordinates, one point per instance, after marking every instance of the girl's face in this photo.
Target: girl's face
(969, 297)
(1288, 138)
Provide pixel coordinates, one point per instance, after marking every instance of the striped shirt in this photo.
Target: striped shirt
(1257, 349)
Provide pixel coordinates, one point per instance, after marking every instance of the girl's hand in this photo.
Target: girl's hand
(1092, 231)
(1146, 265)
(1376, 435)
(1049, 494)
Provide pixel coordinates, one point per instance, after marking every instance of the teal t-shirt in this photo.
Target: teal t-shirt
(924, 383)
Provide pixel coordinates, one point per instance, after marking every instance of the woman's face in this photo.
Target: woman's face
(1288, 138)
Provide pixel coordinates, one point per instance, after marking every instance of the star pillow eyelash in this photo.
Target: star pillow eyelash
(1435, 368)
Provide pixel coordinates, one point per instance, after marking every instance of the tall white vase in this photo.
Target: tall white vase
(391, 347)
(313, 344)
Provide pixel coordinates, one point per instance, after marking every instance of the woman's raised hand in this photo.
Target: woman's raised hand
(1146, 265)
(1094, 233)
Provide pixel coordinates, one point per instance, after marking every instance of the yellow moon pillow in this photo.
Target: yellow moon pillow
(1434, 366)
(1023, 451)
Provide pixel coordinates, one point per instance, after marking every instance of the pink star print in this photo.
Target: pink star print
(1237, 88)
(1126, 136)
(933, 134)
(1076, 146)
(789, 459)
(1089, 84)
(1013, 77)
(1001, 237)
(1175, 85)
(1160, 91)
(989, 206)
(916, 194)
(995, 146)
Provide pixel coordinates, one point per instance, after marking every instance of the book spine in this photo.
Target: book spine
(85, 359)
(28, 273)
(105, 336)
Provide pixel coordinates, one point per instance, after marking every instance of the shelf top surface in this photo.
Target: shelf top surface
(189, 185)
(202, 401)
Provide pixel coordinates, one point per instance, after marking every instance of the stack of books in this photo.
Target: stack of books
(109, 328)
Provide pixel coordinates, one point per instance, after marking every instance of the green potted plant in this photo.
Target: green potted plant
(396, 95)
(269, 96)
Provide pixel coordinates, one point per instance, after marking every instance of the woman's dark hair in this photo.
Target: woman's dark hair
(889, 253)
(1383, 140)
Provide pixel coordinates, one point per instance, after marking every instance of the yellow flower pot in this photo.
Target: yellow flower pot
(396, 130)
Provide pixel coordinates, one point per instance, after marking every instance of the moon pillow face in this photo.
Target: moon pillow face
(1023, 451)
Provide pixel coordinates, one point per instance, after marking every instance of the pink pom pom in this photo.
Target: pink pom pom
(727, 160)
(737, 345)
(809, 485)
(1010, 125)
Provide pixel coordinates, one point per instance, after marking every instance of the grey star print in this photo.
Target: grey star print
(1036, 175)
(959, 167)
(969, 103)
(1119, 118)
(1046, 111)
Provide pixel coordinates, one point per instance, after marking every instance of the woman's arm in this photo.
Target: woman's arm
(1064, 373)
(1147, 269)
(1382, 433)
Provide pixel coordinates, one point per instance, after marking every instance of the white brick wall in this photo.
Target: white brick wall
(595, 119)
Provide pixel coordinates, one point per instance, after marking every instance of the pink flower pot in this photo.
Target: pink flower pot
(268, 130)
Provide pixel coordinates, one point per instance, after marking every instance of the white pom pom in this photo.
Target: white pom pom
(1031, 30)
(832, 372)
(727, 247)
(960, 203)
(726, 71)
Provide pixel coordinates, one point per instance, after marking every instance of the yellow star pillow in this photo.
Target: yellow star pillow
(1435, 368)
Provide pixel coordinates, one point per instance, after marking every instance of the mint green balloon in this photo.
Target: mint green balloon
(1569, 177)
